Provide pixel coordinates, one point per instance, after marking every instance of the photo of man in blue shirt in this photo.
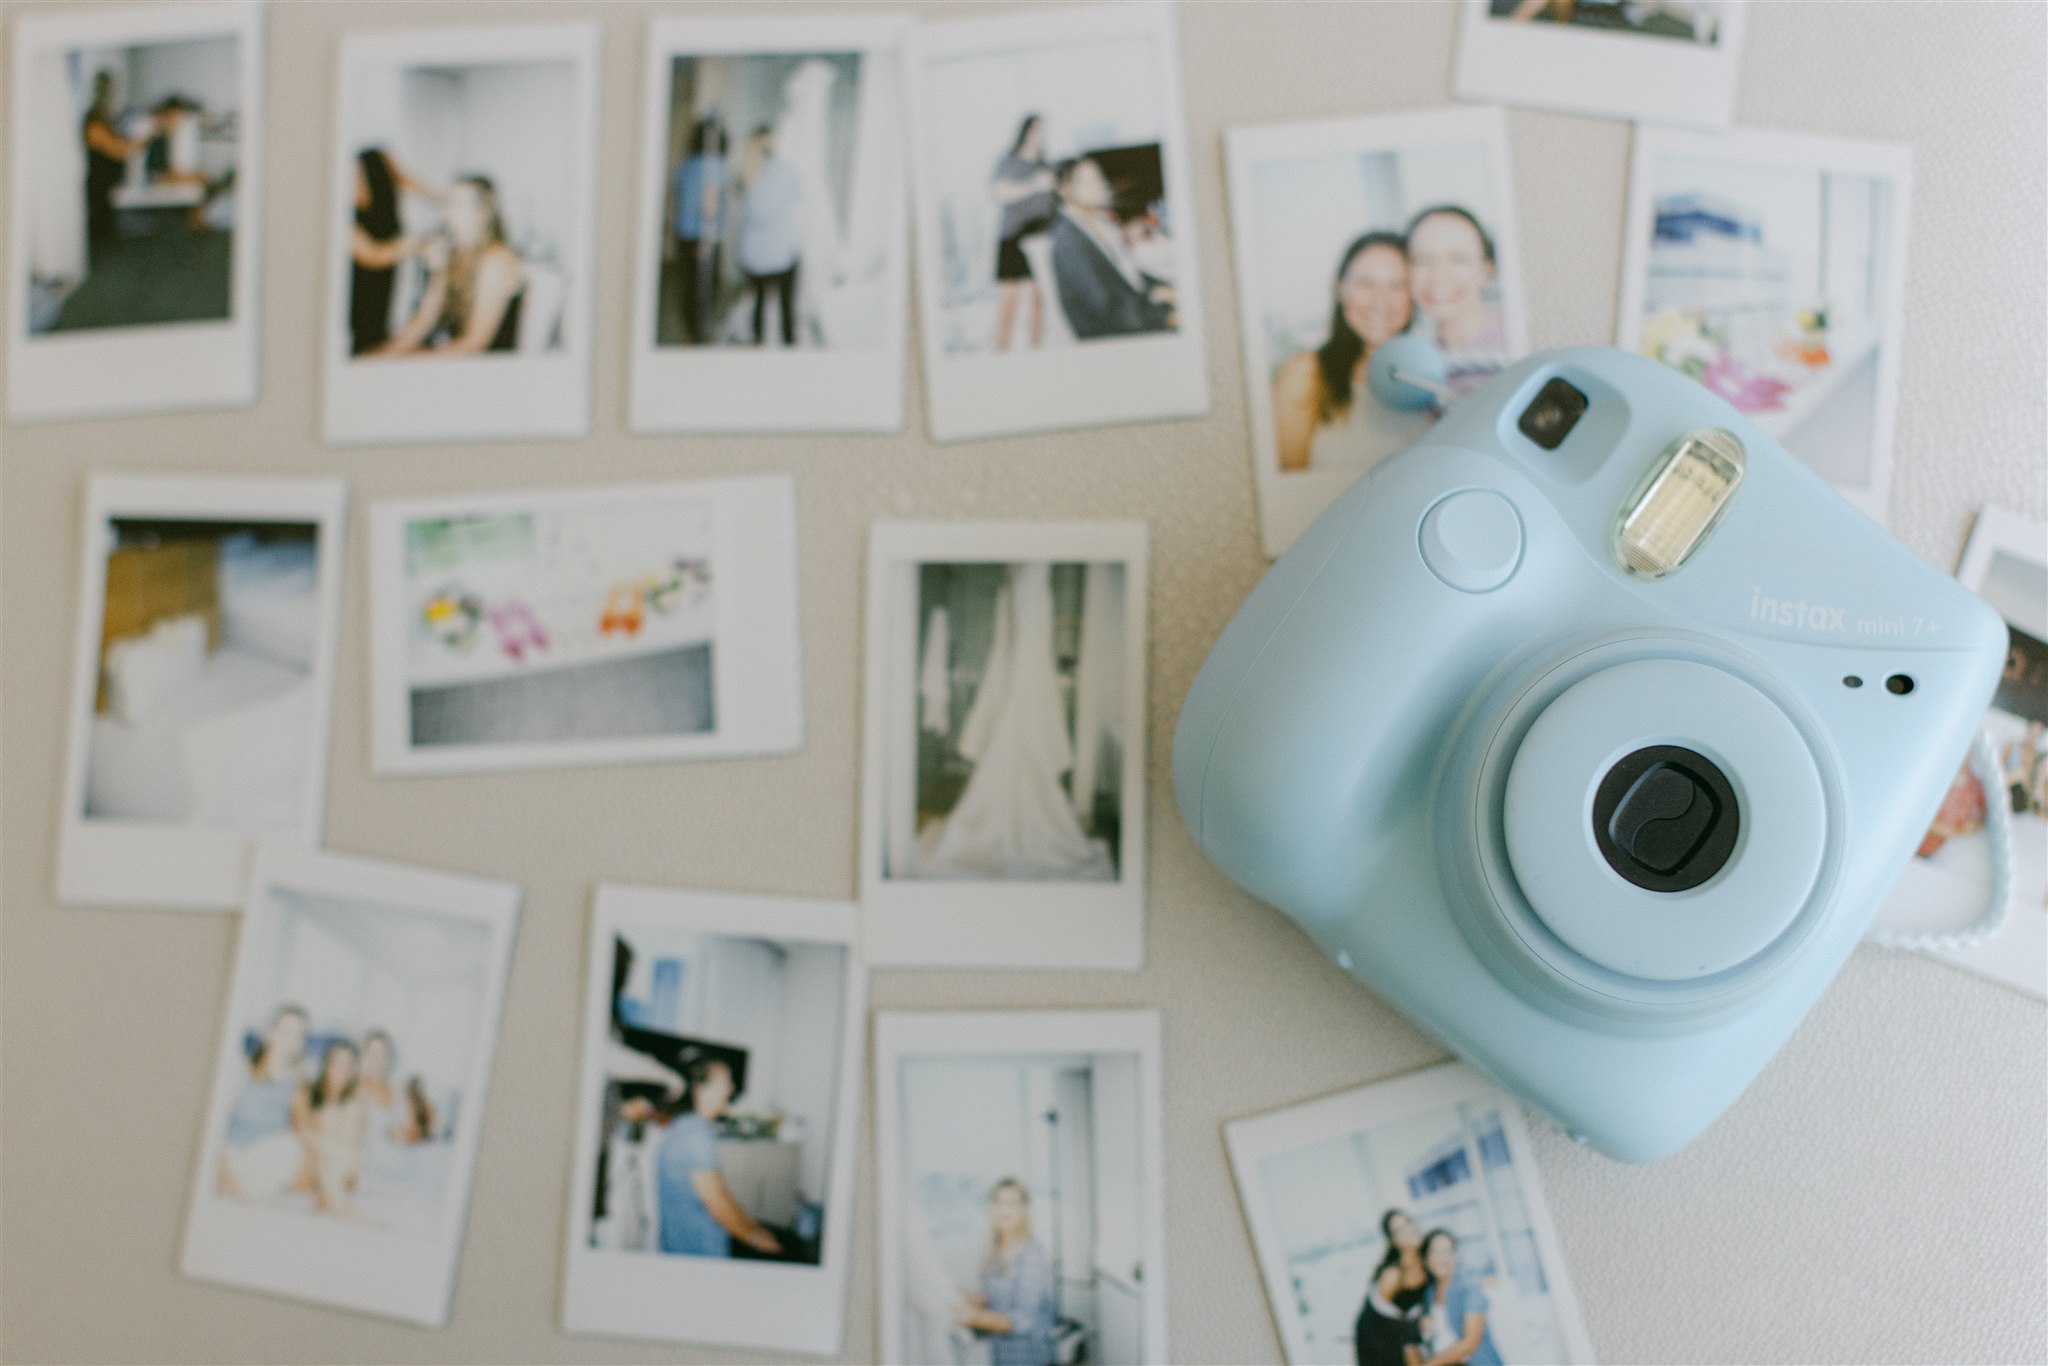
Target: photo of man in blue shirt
(700, 1215)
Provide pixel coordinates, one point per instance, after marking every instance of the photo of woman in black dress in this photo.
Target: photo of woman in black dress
(1389, 1330)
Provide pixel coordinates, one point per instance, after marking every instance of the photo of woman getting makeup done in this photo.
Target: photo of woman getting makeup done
(462, 186)
(460, 209)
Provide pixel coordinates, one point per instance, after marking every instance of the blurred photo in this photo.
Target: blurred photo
(1402, 1223)
(1018, 1200)
(1008, 722)
(463, 217)
(1054, 220)
(203, 707)
(1019, 735)
(1946, 885)
(1350, 234)
(355, 1063)
(1661, 61)
(765, 181)
(1052, 194)
(461, 212)
(715, 1138)
(564, 627)
(773, 254)
(152, 238)
(1771, 269)
(577, 624)
(1685, 21)
(349, 1093)
(709, 1105)
(136, 151)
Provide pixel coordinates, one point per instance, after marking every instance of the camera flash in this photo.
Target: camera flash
(1674, 509)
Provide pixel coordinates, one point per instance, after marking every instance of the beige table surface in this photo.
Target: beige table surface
(1879, 1193)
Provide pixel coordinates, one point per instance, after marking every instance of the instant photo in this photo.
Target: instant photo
(1351, 233)
(137, 153)
(1657, 61)
(604, 625)
(717, 1120)
(202, 684)
(1021, 1187)
(1004, 772)
(1771, 267)
(773, 232)
(350, 1086)
(1055, 244)
(1946, 885)
(1405, 1221)
(460, 270)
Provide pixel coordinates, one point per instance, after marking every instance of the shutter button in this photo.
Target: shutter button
(1472, 540)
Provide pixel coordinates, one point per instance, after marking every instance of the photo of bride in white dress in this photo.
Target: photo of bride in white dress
(1019, 724)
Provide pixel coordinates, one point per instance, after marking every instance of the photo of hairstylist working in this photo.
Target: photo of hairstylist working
(461, 207)
(720, 1078)
(352, 1079)
(132, 183)
(1051, 187)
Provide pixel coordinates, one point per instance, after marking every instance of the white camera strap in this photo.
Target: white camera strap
(1998, 844)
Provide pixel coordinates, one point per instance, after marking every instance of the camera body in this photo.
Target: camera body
(1591, 733)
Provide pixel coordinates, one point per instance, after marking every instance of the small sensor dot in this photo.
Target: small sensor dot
(1852, 681)
(1899, 685)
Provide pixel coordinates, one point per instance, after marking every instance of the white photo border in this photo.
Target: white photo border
(1601, 74)
(466, 398)
(1103, 382)
(1288, 502)
(149, 863)
(765, 1306)
(1923, 899)
(1891, 162)
(900, 1035)
(1253, 1139)
(929, 923)
(726, 389)
(756, 660)
(348, 1266)
(169, 367)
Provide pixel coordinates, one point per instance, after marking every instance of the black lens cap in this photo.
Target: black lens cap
(1665, 818)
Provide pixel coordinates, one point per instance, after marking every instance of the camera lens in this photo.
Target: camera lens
(1552, 414)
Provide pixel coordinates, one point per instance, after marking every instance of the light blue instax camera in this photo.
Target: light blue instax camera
(1591, 733)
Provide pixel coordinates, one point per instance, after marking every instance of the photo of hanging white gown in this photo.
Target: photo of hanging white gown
(1015, 820)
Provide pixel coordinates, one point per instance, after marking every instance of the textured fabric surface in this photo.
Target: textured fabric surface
(1877, 1196)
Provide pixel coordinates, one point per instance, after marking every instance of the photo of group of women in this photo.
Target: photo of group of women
(334, 1116)
(350, 1087)
(1350, 234)
(1020, 1189)
(1401, 1224)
